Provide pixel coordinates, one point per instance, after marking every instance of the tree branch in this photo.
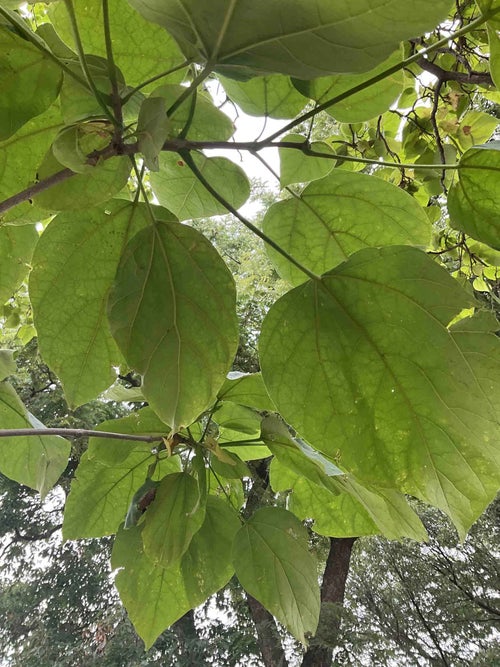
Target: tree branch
(320, 651)
(29, 193)
(267, 634)
(191, 646)
(78, 433)
(475, 78)
(178, 145)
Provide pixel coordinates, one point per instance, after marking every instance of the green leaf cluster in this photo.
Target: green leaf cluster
(380, 366)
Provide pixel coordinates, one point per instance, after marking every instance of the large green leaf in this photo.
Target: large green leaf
(339, 215)
(177, 188)
(304, 38)
(140, 49)
(91, 188)
(338, 503)
(69, 301)
(7, 363)
(101, 492)
(333, 515)
(175, 515)
(16, 249)
(367, 103)
(36, 461)
(29, 82)
(273, 563)
(474, 201)
(172, 313)
(20, 156)
(273, 96)
(155, 597)
(362, 364)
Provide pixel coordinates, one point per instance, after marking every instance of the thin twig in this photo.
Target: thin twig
(162, 75)
(115, 93)
(78, 433)
(186, 156)
(83, 61)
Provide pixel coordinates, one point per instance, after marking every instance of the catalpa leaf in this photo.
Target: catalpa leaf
(246, 389)
(273, 563)
(338, 503)
(21, 155)
(297, 167)
(197, 116)
(273, 96)
(69, 301)
(29, 82)
(101, 493)
(36, 461)
(334, 514)
(175, 515)
(7, 363)
(17, 243)
(338, 215)
(140, 49)
(155, 597)
(172, 313)
(303, 38)
(91, 188)
(177, 187)
(362, 364)
(364, 105)
(474, 201)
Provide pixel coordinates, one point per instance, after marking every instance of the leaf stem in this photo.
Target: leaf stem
(186, 156)
(139, 175)
(83, 61)
(167, 72)
(189, 90)
(77, 433)
(115, 93)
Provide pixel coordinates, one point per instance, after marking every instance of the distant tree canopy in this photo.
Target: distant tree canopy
(376, 380)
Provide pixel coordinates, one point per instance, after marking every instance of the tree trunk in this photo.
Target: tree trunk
(267, 635)
(320, 651)
(192, 649)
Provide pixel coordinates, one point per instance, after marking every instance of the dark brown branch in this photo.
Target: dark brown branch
(78, 433)
(321, 648)
(435, 127)
(475, 78)
(267, 634)
(191, 646)
(35, 189)
(177, 146)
